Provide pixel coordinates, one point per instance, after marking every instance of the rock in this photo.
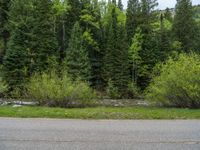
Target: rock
(5, 103)
(24, 103)
(142, 103)
(16, 106)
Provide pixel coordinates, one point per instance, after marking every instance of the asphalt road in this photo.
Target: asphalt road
(47, 134)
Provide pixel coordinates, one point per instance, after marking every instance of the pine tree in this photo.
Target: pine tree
(150, 50)
(72, 16)
(16, 61)
(184, 24)
(32, 40)
(116, 55)
(122, 58)
(132, 15)
(90, 23)
(120, 5)
(114, 2)
(60, 18)
(77, 59)
(147, 15)
(134, 55)
(168, 15)
(164, 40)
(4, 32)
(44, 43)
(109, 58)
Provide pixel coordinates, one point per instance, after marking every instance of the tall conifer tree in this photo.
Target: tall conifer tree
(72, 16)
(4, 32)
(77, 59)
(44, 43)
(184, 24)
(17, 60)
(132, 15)
(116, 54)
(32, 38)
(120, 5)
(150, 51)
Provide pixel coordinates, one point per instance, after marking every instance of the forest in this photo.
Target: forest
(60, 51)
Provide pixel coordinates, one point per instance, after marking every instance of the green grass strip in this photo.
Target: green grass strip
(100, 113)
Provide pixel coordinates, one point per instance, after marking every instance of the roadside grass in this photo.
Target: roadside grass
(100, 113)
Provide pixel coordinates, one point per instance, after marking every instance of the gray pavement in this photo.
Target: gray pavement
(49, 134)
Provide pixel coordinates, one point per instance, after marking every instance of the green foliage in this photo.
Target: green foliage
(178, 83)
(133, 90)
(120, 5)
(32, 41)
(16, 61)
(116, 55)
(60, 11)
(164, 39)
(112, 91)
(132, 16)
(149, 45)
(121, 17)
(71, 17)
(77, 59)
(51, 89)
(134, 55)
(100, 113)
(184, 26)
(3, 87)
(4, 31)
(94, 41)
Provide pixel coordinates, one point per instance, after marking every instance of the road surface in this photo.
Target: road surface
(50, 134)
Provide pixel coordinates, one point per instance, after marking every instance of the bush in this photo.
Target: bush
(178, 83)
(112, 91)
(3, 87)
(133, 90)
(53, 90)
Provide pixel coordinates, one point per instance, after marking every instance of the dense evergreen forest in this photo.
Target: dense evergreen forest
(114, 50)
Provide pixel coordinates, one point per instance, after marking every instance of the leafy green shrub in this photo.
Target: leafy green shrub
(178, 83)
(112, 91)
(3, 87)
(51, 89)
(133, 90)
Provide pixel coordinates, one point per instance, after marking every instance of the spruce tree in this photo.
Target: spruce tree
(168, 15)
(72, 16)
(116, 55)
(77, 59)
(122, 58)
(17, 61)
(132, 15)
(184, 24)
(4, 32)
(120, 5)
(91, 25)
(60, 18)
(109, 58)
(150, 50)
(114, 2)
(44, 43)
(32, 38)
(147, 15)
(134, 56)
(164, 39)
